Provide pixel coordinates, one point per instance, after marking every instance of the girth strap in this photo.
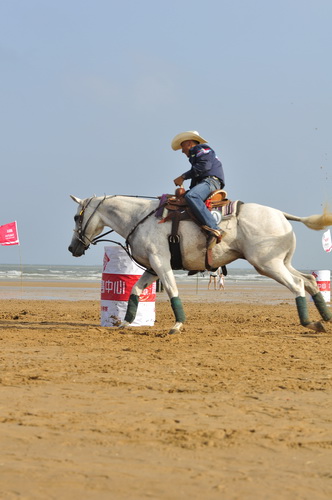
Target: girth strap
(174, 243)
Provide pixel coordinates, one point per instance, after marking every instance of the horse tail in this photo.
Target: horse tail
(316, 222)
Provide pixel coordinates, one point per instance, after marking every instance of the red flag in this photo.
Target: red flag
(9, 234)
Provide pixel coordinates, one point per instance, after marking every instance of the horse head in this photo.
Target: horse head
(88, 224)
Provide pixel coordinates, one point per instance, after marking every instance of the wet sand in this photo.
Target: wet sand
(238, 406)
(193, 289)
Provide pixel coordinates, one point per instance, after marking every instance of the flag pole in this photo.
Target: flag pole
(21, 269)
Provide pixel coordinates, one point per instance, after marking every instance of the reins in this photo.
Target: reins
(140, 222)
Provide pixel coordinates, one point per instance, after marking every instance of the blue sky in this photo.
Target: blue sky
(92, 92)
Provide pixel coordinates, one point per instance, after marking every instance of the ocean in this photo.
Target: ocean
(77, 282)
(50, 273)
(93, 274)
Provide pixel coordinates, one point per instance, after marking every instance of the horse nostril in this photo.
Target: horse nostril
(70, 248)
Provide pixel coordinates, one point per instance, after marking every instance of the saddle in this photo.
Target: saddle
(177, 203)
(174, 208)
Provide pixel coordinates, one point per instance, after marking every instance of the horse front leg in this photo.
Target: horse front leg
(167, 278)
(144, 281)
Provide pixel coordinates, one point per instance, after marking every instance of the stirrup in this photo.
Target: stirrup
(211, 242)
(215, 237)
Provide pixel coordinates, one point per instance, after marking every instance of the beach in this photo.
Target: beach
(237, 406)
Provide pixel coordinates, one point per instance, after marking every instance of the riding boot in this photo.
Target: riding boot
(215, 236)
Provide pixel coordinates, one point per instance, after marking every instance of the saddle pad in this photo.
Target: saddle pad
(231, 208)
(160, 210)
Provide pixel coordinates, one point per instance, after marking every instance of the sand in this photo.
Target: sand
(238, 406)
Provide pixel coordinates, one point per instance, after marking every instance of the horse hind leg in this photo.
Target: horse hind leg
(295, 283)
(311, 287)
(321, 306)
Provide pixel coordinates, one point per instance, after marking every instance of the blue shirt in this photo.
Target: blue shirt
(204, 163)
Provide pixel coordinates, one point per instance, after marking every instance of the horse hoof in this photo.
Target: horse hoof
(176, 329)
(123, 325)
(316, 326)
(173, 331)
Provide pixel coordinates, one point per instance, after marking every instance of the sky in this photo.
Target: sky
(92, 93)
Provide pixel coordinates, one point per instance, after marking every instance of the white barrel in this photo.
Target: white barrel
(120, 273)
(323, 279)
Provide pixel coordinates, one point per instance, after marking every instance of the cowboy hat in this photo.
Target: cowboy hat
(191, 135)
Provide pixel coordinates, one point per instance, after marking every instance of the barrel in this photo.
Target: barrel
(323, 279)
(119, 275)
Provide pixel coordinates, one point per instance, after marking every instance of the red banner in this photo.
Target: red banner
(9, 234)
(118, 287)
(324, 286)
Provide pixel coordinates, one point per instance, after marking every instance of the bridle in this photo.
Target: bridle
(80, 230)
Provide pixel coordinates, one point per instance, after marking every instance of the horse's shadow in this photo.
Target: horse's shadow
(24, 325)
(46, 325)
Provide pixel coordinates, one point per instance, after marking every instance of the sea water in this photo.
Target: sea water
(76, 273)
(50, 273)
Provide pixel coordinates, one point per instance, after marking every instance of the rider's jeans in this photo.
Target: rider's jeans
(196, 197)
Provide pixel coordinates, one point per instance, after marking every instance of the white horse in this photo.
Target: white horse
(261, 235)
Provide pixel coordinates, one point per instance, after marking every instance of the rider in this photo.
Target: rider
(206, 176)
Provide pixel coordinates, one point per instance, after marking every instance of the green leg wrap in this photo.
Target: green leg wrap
(302, 309)
(178, 309)
(132, 308)
(321, 306)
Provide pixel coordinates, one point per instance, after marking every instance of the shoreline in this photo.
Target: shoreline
(50, 284)
(193, 290)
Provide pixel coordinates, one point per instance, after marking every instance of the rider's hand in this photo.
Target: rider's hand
(179, 180)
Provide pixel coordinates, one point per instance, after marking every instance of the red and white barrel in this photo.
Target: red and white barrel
(120, 274)
(323, 279)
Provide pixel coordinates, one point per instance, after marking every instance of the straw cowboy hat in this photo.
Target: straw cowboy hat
(191, 135)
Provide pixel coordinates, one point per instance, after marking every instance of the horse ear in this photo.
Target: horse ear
(77, 200)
